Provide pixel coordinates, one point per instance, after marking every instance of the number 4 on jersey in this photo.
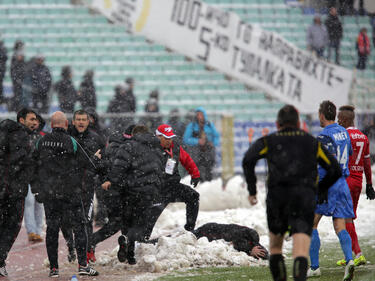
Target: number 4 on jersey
(342, 158)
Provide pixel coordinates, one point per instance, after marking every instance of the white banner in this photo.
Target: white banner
(244, 51)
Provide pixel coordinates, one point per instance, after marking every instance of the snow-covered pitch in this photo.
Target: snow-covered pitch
(183, 251)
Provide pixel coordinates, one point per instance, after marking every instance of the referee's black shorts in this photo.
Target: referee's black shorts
(290, 208)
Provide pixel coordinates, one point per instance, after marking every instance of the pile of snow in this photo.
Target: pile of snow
(182, 250)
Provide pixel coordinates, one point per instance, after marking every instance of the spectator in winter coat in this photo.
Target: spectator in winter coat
(66, 93)
(202, 137)
(16, 168)
(3, 61)
(41, 82)
(122, 102)
(363, 48)
(334, 29)
(175, 122)
(86, 93)
(138, 169)
(17, 74)
(152, 107)
(317, 37)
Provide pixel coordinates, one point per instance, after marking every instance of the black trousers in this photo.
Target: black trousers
(137, 217)
(174, 192)
(113, 225)
(11, 215)
(362, 60)
(88, 206)
(72, 216)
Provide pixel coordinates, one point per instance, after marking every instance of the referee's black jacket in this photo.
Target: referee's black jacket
(292, 156)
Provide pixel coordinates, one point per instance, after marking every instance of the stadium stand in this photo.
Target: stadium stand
(71, 35)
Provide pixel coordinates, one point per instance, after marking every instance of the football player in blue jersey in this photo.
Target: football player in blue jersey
(337, 202)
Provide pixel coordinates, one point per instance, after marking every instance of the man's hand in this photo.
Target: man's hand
(97, 154)
(250, 134)
(195, 181)
(370, 192)
(106, 185)
(253, 200)
(258, 252)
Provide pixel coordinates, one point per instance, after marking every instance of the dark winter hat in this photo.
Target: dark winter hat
(165, 131)
(129, 130)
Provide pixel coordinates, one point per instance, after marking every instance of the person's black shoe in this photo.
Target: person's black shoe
(189, 227)
(87, 270)
(72, 255)
(123, 248)
(3, 271)
(131, 260)
(54, 273)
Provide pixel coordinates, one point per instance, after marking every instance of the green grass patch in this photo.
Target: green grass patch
(330, 253)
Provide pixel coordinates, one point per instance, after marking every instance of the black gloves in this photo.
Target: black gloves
(195, 181)
(370, 192)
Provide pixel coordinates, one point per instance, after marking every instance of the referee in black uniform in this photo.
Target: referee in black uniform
(293, 156)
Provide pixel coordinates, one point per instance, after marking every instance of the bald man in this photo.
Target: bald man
(59, 188)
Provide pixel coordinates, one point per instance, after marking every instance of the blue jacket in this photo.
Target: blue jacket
(191, 135)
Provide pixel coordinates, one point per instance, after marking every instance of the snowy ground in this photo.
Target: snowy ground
(183, 251)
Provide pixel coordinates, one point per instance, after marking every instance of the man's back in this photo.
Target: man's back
(360, 146)
(337, 141)
(291, 155)
(58, 170)
(14, 158)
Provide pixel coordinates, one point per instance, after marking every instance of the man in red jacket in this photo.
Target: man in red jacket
(172, 190)
(359, 162)
(363, 48)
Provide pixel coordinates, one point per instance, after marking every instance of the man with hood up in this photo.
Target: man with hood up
(202, 137)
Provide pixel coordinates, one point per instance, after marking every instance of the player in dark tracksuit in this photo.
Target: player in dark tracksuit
(293, 156)
(173, 190)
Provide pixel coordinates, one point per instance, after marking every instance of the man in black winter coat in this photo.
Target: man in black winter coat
(123, 102)
(90, 142)
(244, 239)
(334, 29)
(17, 73)
(87, 93)
(41, 82)
(3, 61)
(66, 92)
(16, 168)
(114, 196)
(138, 169)
(59, 187)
